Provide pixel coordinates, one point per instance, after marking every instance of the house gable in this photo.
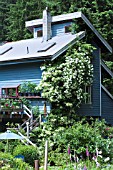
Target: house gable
(66, 18)
(53, 32)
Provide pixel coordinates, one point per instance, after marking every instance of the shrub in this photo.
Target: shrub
(8, 162)
(2, 146)
(36, 111)
(20, 165)
(30, 153)
(5, 155)
(80, 134)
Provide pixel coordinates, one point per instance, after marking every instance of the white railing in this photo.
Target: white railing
(25, 138)
(29, 124)
(27, 111)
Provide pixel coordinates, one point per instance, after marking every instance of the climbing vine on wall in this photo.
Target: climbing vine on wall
(64, 79)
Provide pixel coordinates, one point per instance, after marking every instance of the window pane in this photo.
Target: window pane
(39, 33)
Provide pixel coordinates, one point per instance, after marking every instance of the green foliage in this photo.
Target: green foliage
(58, 158)
(109, 64)
(30, 153)
(19, 164)
(5, 156)
(36, 111)
(8, 162)
(79, 134)
(19, 13)
(25, 101)
(27, 87)
(107, 82)
(4, 9)
(65, 78)
(2, 146)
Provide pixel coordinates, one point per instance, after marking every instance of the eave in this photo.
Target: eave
(18, 53)
(71, 16)
(96, 32)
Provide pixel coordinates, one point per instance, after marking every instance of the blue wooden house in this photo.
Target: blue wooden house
(20, 61)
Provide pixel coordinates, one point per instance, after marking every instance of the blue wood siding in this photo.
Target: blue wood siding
(107, 108)
(59, 29)
(40, 104)
(17, 73)
(94, 108)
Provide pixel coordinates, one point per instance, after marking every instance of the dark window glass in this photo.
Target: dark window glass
(67, 28)
(39, 33)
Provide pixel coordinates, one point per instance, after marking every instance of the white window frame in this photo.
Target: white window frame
(88, 97)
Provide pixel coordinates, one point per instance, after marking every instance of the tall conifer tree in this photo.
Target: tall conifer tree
(4, 8)
(19, 13)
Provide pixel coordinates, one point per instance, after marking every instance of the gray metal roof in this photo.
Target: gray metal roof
(36, 48)
(70, 16)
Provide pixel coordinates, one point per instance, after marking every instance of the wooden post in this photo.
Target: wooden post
(36, 164)
(46, 155)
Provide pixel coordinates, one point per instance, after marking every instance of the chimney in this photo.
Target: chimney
(46, 25)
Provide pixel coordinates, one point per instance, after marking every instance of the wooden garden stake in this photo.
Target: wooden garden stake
(46, 155)
(36, 164)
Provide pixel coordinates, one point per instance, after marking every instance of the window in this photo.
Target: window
(67, 28)
(10, 91)
(88, 95)
(39, 33)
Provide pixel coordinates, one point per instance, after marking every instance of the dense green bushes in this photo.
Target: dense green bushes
(69, 139)
(8, 162)
(30, 153)
(80, 135)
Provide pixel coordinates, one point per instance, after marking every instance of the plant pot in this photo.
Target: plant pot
(21, 94)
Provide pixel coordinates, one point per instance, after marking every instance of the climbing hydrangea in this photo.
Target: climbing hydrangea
(64, 79)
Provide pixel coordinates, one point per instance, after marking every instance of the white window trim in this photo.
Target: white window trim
(88, 99)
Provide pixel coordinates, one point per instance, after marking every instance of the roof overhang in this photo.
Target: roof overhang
(10, 86)
(58, 45)
(58, 18)
(70, 16)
